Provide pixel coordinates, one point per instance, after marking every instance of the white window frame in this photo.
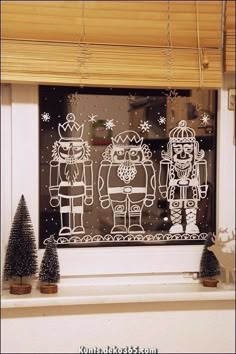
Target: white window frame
(20, 175)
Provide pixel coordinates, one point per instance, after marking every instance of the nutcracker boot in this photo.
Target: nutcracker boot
(135, 214)
(176, 218)
(119, 216)
(191, 216)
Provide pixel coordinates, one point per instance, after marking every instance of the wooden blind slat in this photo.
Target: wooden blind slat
(229, 42)
(230, 51)
(131, 22)
(115, 66)
(114, 43)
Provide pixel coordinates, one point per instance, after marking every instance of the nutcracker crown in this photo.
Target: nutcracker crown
(182, 133)
(128, 137)
(70, 130)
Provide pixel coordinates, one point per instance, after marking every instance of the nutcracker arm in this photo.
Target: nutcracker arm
(151, 180)
(163, 177)
(54, 179)
(202, 174)
(88, 166)
(102, 180)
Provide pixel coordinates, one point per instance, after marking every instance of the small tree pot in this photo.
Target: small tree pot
(48, 289)
(20, 289)
(210, 282)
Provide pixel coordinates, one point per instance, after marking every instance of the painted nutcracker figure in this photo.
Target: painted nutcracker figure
(71, 178)
(127, 181)
(183, 177)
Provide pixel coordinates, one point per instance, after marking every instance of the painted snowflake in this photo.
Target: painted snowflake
(144, 126)
(131, 98)
(162, 120)
(74, 98)
(45, 117)
(109, 124)
(205, 118)
(92, 118)
(171, 96)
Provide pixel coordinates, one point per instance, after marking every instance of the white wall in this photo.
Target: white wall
(190, 327)
(226, 161)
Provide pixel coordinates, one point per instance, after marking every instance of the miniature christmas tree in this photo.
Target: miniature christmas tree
(209, 265)
(21, 255)
(49, 269)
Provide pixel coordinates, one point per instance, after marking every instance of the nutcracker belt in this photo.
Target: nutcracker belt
(126, 190)
(68, 184)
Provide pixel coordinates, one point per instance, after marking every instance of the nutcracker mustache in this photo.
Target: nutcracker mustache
(126, 171)
(183, 165)
(71, 160)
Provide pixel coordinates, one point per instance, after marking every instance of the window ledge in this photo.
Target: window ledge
(111, 294)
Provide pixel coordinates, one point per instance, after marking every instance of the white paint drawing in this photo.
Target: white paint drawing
(130, 237)
(144, 126)
(92, 118)
(161, 120)
(205, 118)
(126, 181)
(71, 176)
(171, 96)
(45, 117)
(109, 124)
(74, 98)
(183, 177)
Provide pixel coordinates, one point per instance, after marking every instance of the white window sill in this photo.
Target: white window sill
(117, 294)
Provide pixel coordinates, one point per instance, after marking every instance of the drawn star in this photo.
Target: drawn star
(205, 118)
(162, 120)
(45, 117)
(92, 118)
(74, 98)
(109, 124)
(144, 126)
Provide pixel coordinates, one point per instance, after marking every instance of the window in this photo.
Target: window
(126, 167)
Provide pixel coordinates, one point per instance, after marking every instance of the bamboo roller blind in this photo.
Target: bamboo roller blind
(229, 52)
(112, 43)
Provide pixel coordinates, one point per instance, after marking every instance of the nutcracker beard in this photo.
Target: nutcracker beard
(126, 171)
(183, 169)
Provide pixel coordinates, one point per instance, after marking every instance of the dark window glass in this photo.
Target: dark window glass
(123, 167)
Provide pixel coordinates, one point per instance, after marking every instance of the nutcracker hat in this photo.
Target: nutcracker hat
(70, 130)
(182, 133)
(129, 137)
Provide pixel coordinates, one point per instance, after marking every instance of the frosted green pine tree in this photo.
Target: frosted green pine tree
(49, 268)
(209, 265)
(21, 255)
